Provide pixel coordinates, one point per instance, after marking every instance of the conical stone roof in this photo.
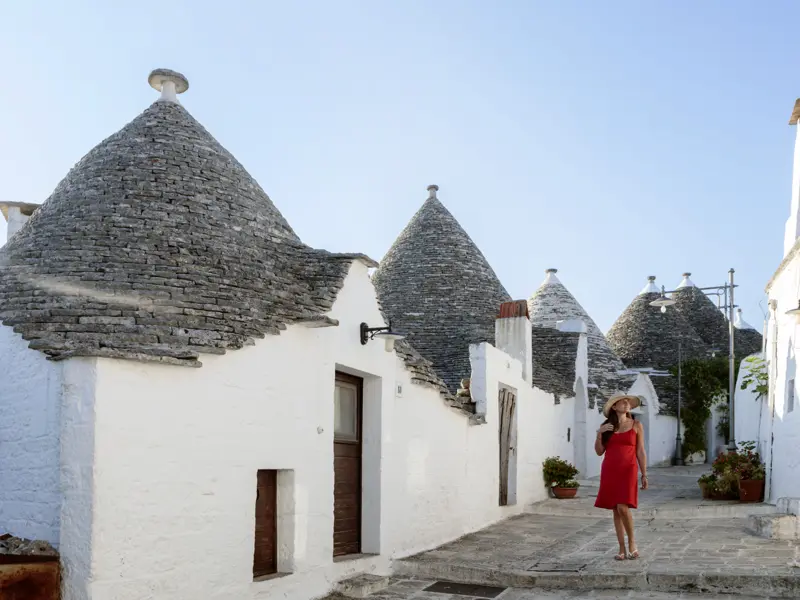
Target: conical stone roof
(158, 245)
(710, 324)
(552, 303)
(644, 337)
(437, 288)
(702, 314)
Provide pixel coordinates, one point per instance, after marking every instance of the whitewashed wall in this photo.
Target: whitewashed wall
(783, 424)
(750, 411)
(660, 430)
(176, 452)
(30, 391)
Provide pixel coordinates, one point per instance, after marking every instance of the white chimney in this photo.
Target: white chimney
(792, 231)
(512, 334)
(16, 215)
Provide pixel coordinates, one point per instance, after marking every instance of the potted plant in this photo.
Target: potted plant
(559, 476)
(708, 485)
(750, 471)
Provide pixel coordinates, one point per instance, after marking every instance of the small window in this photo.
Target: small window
(345, 417)
(790, 397)
(569, 433)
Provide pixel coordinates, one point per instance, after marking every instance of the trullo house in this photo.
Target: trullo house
(198, 405)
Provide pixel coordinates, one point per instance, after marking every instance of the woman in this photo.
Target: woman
(621, 439)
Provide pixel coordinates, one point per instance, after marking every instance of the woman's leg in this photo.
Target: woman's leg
(619, 527)
(627, 521)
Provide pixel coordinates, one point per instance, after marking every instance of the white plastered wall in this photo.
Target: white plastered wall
(660, 430)
(161, 503)
(30, 392)
(779, 437)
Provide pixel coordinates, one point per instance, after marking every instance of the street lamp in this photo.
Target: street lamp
(726, 290)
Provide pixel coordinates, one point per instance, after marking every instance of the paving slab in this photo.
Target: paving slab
(696, 552)
(416, 590)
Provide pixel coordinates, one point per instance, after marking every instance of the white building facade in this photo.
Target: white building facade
(211, 422)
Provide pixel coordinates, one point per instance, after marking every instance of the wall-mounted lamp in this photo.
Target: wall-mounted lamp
(389, 337)
(663, 301)
(795, 312)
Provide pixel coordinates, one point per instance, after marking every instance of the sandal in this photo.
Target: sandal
(620, 556)
(633, 555)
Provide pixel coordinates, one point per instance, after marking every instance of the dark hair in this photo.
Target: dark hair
(613, 418)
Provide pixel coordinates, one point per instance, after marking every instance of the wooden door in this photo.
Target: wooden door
(347, 465)
(507, 408)
(265, 557)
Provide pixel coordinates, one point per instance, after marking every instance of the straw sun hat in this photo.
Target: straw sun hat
(633, 401)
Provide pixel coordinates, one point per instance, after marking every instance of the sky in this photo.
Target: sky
(611, 140)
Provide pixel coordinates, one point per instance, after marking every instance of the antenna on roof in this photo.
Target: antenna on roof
(169, 83)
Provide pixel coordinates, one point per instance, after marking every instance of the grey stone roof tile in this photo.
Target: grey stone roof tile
(436, 287)
(158, 245)
(644, 337)
(554, 356)
(551, 303)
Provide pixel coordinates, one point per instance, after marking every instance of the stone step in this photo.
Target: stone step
(687, 510)
(774, 527)
(780, 583)
(362, 585)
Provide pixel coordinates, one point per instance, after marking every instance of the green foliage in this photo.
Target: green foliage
(559, 473)
(703, 382)
(757, 377)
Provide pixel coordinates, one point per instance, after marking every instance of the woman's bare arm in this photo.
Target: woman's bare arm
(641, 455)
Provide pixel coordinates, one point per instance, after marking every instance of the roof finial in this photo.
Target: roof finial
(169, 83)
(432, 189)
(550, 276)
(651, 287)
(551, 271)
(686, 282)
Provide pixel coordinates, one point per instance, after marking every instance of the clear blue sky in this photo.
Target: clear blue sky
(612, 140)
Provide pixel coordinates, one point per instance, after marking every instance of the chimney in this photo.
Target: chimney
(16, 215)
(512, 334)
(792, 231)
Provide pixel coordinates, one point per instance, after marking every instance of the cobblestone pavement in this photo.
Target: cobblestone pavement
(414, 590)
(684, 542)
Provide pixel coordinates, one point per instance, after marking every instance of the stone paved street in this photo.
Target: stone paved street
(685, 544)
(414, 590)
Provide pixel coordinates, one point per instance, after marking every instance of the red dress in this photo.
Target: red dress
(619, 472)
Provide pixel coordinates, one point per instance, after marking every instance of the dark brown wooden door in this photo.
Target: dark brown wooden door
(347, 465)
(507, 407)
(265, 557)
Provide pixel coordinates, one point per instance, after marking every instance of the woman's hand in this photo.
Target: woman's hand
(644, 482)
(604, 428)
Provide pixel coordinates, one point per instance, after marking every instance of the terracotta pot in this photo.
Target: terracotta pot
(751, 490)
(562, 493)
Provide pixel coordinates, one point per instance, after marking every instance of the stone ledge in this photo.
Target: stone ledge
(361, 586)
(780, 584)
(774, 527)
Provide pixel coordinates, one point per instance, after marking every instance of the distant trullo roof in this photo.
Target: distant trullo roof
(158, 245)
(437, 287)
(552, 303)
(645, 337)
(709, 322)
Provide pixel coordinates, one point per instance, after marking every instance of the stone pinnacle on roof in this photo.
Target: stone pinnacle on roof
(644, 337)
(159, 245)
(169, 83)
(686, 281)
(437, 287)
(740, 323)
(552, 303)
(651, 287)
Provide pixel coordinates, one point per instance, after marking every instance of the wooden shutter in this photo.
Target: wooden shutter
(265, 557)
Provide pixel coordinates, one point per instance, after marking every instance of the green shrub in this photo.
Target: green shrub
(559, 473)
